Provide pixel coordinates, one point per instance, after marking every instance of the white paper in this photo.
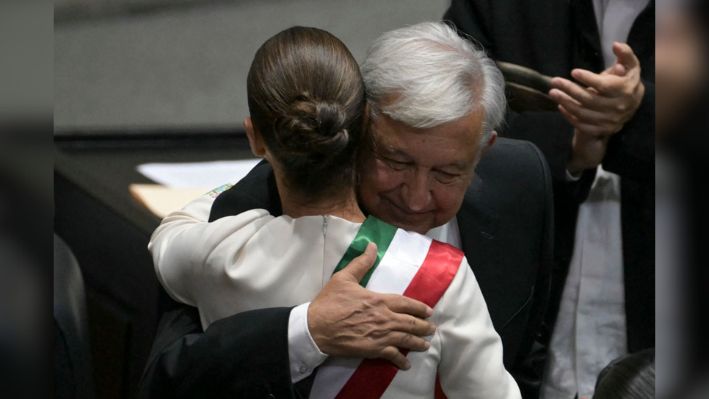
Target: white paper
(162, 200)
(197, 174)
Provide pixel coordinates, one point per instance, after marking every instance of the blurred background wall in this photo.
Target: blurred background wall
(183, 63)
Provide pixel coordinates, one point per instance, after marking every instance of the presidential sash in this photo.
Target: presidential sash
(409, 264)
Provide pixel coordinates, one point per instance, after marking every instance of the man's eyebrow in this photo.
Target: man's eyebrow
(389, 150)
(459, 166)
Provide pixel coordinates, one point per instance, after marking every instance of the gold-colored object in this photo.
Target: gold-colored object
(526, 89)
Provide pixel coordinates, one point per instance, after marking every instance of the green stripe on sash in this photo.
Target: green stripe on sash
(372, 230)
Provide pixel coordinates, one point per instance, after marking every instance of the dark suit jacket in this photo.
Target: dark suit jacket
(506, 230)
(242, 356)
(554, 37)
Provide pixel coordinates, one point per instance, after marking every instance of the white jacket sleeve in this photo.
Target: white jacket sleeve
(471, 350)
(185, 241)
(183, 244)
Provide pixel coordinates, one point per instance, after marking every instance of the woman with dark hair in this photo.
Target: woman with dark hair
(308, 119)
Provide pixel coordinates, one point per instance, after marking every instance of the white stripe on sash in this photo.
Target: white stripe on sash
(394, 273)
(400, 263)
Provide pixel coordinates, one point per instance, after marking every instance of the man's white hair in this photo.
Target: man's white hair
(426, 75)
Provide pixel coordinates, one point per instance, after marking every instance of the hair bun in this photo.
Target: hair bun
(313, 127)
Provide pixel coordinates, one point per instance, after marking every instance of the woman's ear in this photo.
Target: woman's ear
(255, 139)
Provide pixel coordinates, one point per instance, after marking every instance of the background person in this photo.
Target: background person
(600, 147)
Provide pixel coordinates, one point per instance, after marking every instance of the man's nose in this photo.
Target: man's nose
(417, 193)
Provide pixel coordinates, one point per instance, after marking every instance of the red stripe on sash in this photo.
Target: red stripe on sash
(438, 391)
(373, 376)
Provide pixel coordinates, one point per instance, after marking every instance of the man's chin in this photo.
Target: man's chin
(408, 225)
(421, 231)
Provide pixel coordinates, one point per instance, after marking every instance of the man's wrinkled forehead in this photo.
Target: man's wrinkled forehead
(384, 135)
(451, 144)
(377, 118)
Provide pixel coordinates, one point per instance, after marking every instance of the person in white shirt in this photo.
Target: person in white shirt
(599, 143)
(591, 326)
(307, 106)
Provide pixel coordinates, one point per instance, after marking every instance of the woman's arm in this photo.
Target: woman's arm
(184, 241)
(471, 350)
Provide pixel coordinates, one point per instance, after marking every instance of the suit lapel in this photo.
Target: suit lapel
(478, 228)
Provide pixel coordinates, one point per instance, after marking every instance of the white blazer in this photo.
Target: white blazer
(254, 260)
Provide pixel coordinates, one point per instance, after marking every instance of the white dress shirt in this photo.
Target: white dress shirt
(615, 19)
(590, 328)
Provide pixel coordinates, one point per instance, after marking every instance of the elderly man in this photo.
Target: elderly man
(435, 100)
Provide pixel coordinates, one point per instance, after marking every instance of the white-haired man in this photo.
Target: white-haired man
(435, 100)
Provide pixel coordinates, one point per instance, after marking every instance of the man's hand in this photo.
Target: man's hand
(587, 152)
(348, 320)
(609, 99)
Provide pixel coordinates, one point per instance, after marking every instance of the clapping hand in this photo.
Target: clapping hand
(601, 108)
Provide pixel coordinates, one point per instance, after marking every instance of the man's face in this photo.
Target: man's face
(416, 178)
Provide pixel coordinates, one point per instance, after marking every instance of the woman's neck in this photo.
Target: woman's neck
(343, 205)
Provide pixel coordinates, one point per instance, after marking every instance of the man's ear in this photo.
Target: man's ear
(255, 139)
(490, 142)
